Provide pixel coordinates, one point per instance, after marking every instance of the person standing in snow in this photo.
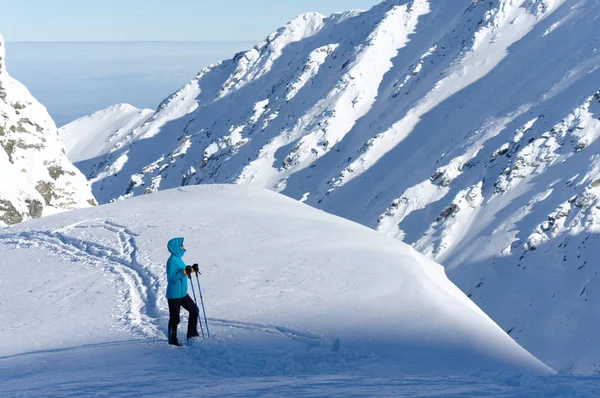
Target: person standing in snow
(177, 287)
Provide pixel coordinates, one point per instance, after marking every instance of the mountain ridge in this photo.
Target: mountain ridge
(466, 129)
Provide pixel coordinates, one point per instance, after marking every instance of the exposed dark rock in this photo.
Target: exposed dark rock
(35, 208)
(447, 212)
(46, 189)
(8, 214)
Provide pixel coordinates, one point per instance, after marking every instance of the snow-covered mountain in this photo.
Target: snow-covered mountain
(289, 291)
(95, 135)
(467, 129)
(37, 178)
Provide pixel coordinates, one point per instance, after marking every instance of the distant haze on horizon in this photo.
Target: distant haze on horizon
(156, 20)
(75, 79)
(77, 60)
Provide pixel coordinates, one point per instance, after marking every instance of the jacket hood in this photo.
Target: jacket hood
(174, 247)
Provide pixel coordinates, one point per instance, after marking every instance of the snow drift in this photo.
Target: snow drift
(304, 289)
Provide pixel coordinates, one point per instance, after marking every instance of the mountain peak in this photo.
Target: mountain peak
(307, 18)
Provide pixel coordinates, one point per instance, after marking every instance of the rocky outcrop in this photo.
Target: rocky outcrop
(36, 178)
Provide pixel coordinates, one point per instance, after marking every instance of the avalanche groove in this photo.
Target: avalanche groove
(467, 129)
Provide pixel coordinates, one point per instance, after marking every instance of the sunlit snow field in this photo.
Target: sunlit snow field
(80, 78)
(300, 303)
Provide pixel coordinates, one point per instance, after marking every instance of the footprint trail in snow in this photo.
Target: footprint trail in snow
(142, 312)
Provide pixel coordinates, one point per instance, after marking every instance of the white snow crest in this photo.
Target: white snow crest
(488, 49)
(102, 132)
(256, 62)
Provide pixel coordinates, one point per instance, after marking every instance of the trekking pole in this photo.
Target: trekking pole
(202, 302)
(197, 309)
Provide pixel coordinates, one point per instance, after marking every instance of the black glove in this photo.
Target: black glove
(188, 271)
(195, 267)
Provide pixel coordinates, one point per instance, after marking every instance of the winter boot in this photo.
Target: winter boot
(173, 337)
(192, 333)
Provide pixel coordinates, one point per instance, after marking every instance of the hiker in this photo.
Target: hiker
(177, 287)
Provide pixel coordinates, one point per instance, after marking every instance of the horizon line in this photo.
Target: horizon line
(130, 41)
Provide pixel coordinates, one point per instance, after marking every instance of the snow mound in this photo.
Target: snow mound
(280, 278)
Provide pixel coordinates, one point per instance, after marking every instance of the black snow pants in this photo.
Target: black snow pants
(174, 308)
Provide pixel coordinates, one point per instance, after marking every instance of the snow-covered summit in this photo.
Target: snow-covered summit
(91, 137)
(467, 129)
(289, 290)
(36, 179)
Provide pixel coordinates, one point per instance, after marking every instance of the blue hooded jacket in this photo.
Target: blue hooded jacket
(177, 285)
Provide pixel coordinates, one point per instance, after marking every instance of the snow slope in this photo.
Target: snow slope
(99, 133)
(466, 129)
(36, 179)
(289, 289)
(300, 303)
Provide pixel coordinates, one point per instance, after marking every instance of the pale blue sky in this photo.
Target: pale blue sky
(149, 20)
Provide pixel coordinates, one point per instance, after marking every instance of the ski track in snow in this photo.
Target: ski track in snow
(143, 315)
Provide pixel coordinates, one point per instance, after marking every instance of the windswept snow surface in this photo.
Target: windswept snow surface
(468, 129)
(294, 296)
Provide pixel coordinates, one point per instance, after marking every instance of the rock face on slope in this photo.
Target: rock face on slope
(465, 128)
(36, 179)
